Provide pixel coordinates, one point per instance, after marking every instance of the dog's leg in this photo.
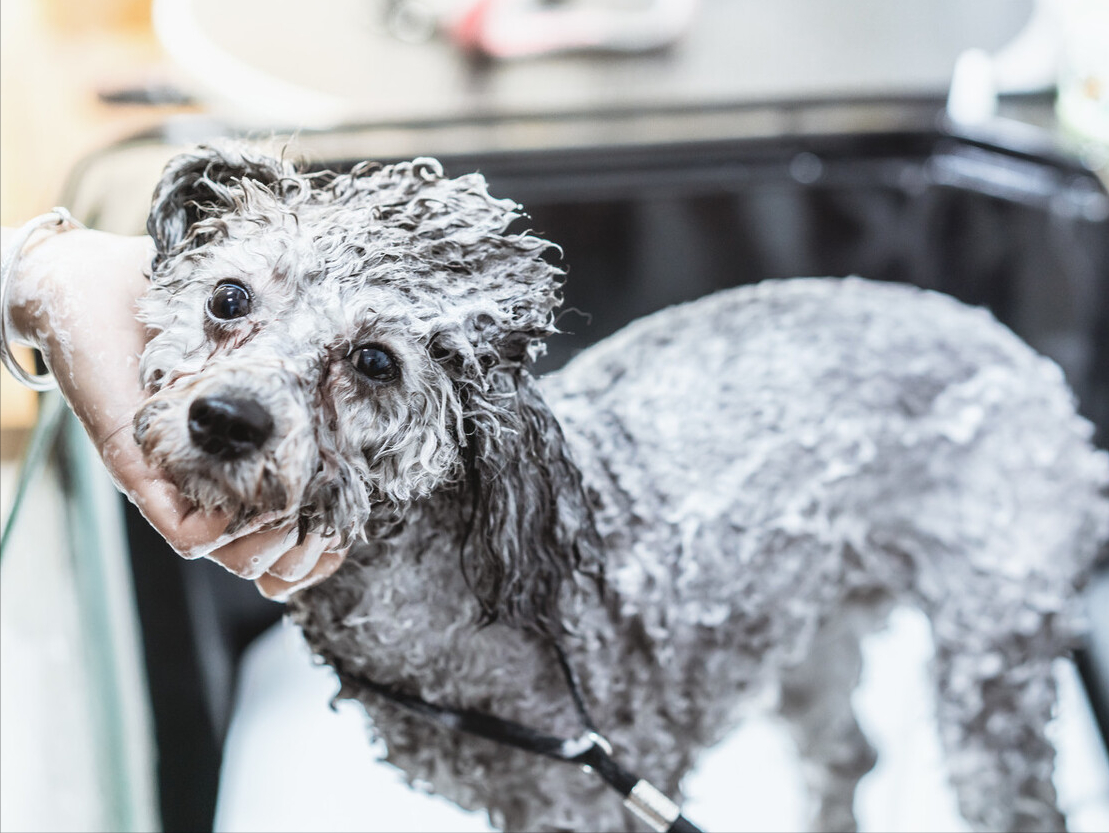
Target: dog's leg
(816, 702)
(995, 693)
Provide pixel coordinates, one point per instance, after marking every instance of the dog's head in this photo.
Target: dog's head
(331, 348)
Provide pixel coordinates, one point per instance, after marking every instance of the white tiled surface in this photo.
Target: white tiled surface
(290, 763)
(293, 764)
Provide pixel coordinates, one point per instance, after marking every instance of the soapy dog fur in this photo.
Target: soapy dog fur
(714, 503)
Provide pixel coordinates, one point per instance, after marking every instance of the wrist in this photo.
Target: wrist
(13, 292)
(27, 281)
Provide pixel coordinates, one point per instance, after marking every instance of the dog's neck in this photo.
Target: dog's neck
(401, 605)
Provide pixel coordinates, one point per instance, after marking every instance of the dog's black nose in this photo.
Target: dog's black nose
(229, 428)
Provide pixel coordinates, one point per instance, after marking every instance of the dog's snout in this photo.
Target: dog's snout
(229, 428)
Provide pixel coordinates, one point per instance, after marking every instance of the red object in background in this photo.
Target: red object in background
(525, 28)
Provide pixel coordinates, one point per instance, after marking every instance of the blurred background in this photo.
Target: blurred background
(672, 147)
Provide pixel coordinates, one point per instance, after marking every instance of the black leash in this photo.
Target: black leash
(590, 751)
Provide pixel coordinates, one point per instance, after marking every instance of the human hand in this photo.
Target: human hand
(73, 296)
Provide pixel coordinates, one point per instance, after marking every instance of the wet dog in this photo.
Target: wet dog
(714, 503)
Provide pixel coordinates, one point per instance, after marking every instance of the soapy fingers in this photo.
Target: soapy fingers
(74, 298)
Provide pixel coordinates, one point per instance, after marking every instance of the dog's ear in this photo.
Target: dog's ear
(204, 183)
(530, 521)
(513, 313)
(449, 237)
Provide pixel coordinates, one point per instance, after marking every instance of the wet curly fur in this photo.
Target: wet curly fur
(715, 502)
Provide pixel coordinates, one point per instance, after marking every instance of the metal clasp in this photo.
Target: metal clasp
(652, 806)
(594, 739)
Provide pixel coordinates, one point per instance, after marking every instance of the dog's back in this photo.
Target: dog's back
(811, 443)
(861, 414)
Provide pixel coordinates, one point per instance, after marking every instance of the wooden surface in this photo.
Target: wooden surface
(56, 56)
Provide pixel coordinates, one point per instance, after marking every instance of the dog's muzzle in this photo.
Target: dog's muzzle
(228, 427)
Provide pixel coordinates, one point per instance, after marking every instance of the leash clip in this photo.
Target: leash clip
(652, 806)
(589, 741)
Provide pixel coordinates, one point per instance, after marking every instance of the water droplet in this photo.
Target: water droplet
(806, 168)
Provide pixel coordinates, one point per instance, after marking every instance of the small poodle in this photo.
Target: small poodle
(713, 504)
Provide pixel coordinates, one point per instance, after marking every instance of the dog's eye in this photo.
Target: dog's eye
(374, 363)
(229, 300)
